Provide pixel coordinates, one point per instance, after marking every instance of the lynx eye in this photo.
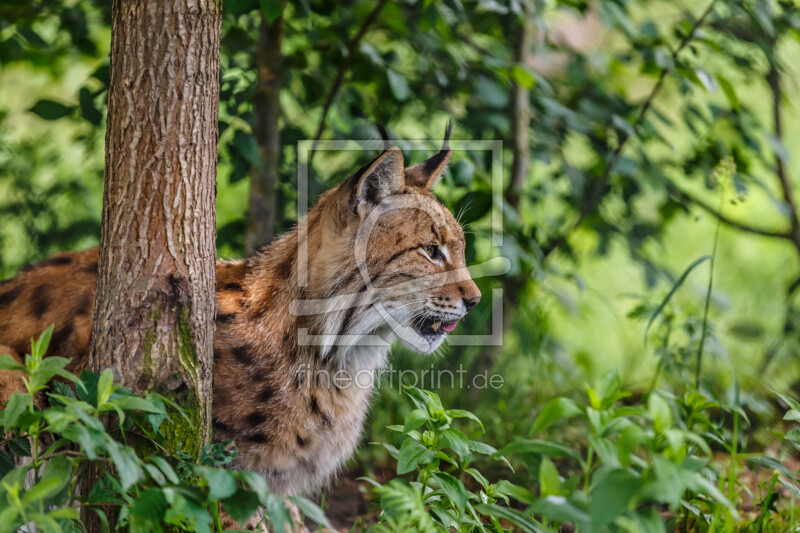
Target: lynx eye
(433, 251)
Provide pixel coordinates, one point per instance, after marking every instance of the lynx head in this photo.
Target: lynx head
(410, 278)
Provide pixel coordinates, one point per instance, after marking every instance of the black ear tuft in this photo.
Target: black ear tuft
(382, 178)
(448, 129)
(387, 143)
(428, 172)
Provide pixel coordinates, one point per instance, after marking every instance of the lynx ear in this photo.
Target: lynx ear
(382, 178)
(427, 173)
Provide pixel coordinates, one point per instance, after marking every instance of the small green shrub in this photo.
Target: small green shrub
(96, 421)
(654, 465)
(435, 455)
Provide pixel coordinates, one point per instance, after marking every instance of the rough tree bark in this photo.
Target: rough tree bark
(262, 213)
(521, 114)
(154, 312)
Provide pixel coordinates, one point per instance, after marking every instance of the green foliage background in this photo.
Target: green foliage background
(633, 221)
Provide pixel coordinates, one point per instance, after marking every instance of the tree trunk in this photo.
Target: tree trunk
(262, 213)
(154, 312)
(521, 115)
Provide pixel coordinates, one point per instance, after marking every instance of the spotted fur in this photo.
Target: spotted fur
(286, 389)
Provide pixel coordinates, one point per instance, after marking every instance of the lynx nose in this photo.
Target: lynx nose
(469, 303)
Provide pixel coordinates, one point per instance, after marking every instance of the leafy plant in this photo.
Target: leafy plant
(55, 429)
(640, 466)
(436, 457)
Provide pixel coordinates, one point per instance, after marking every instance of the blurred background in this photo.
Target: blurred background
(640, 138)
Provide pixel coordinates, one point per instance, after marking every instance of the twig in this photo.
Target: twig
(774, 79)
(704, 330)
(343, 66)
(686, 197)
(597, 191)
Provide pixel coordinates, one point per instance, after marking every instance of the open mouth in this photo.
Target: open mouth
(432, 326)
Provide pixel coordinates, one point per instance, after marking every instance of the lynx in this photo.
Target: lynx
(297, 342)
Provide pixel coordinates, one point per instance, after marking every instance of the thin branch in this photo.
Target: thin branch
(343, 66)
(597, 191)
(774, 79)
(687, 198)
(793, 286)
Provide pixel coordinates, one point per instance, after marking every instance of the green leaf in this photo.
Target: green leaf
(549, 480)
(611, 497)
(461, 413)
(563, 510)
(477, 476)
(279, 516)
(16, 405)
(88, 389)
(792, 403)
(105, 386)
(88, 110)
(458, 442)
(623, 125)
(257, 484)
(155, 474)
(627, 442)
(398, 85)
(608, 389)
(772, 464)
(42, 490)
(271, 9)
(524, 77)
(51, 110)
(312, 511)
(127, 465)
(165, 468)
(20, 446)
(242, 505)
(659, 411)
(539, 447)
(521, 494)
(473, 206)
(68, 513)
(411, 454)
(39, 347)
(131, 403)
(793, 415)
(672, 292)
(482, 448)
(147, 511)
(453, 489)
(9, 363)
(221, 483)
(668, 484)
(650, 521)
(555, 409)
(45, 522)
(6, 463)
(47, 369)
(730, 92)
(246, 146)
(393, 452)
(62, 389)
(521, 520)
(8, 517)
(426, 400)
(105, 491)
(414, 419)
